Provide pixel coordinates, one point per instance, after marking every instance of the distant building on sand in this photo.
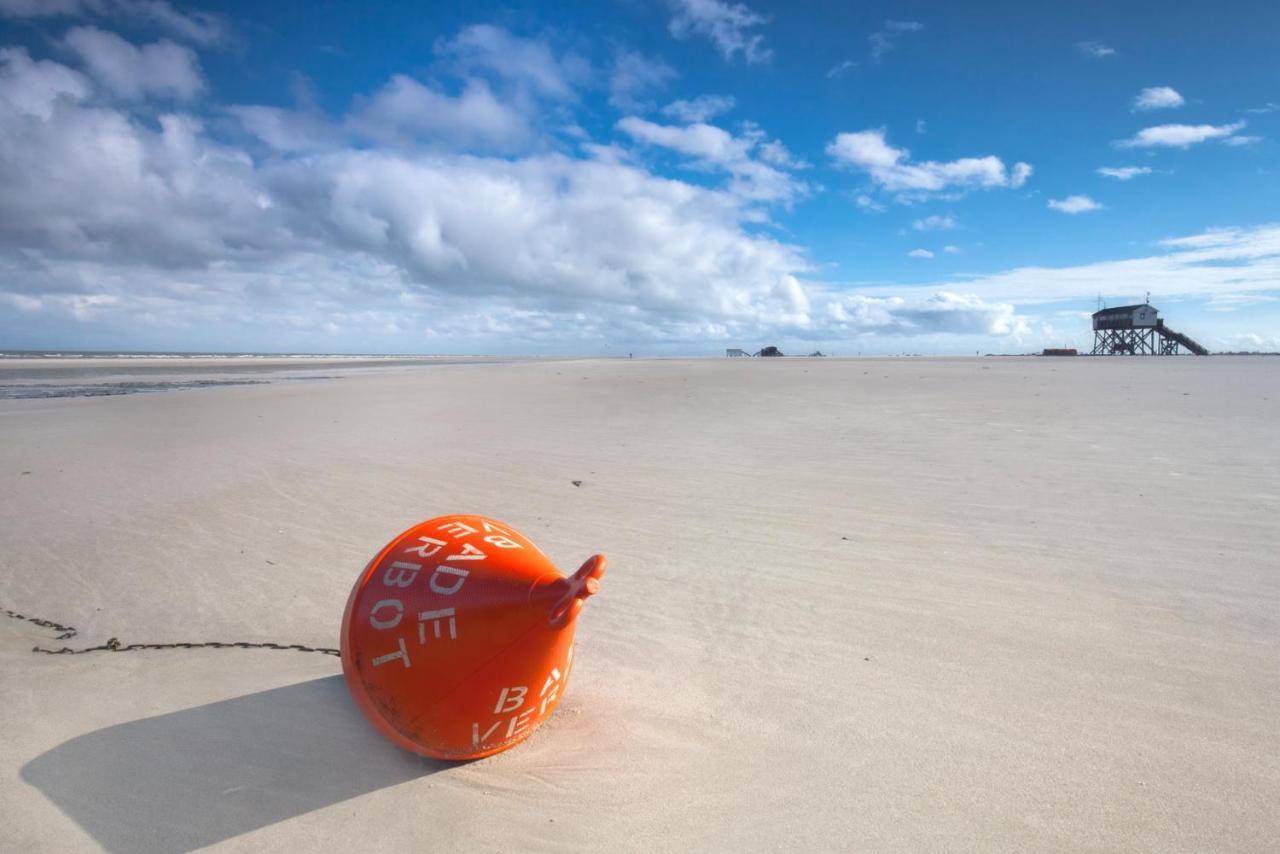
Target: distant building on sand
(735, 352)
(1137, 330)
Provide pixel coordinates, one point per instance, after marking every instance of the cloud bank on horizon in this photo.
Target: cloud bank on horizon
(531, 191)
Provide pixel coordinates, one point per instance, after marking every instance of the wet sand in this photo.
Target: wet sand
(978, 604)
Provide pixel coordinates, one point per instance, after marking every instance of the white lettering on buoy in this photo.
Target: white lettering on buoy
(469, 552)
(383, 625)
(520, 722)
(434, 617)
(477, 739)
(392, 656)
(553, 685)
(437, 587)
(400, 569)
(503, 542)
(426, 550)
(457, 529)
(510, 699)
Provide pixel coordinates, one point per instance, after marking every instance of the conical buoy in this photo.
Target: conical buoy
(457, 639)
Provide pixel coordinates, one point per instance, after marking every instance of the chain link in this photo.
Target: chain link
(114, 644)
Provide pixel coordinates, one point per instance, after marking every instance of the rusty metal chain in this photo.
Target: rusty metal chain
(114, 644)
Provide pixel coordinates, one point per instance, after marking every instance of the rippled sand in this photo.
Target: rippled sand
(979, 604)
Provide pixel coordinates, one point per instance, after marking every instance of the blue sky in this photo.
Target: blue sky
(650, 177)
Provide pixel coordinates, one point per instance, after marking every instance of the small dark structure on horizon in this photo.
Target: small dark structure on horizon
(1059, 351)
(1137, 330)
(770, 351)
(734, 352)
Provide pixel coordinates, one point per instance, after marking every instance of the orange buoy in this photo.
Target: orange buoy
(457, 638)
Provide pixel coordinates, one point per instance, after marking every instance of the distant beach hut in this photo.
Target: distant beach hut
(736, 353)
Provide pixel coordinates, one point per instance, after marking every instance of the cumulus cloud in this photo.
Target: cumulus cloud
(287, 130)
(727, 25)
(1158, 98)
(406, 111)
(107, 219)
(1075, 204)
(713, 148)
(893, 170)
(919, 253)
(700, 109)
(32, 87)
(935, 223)
(634, 78)
(132, 221)
(1123, 173)
(116, 229)
(1179, 136)
(1094, 49)
(199, 27)
(163, 68)
(497, 93)
(529, 65)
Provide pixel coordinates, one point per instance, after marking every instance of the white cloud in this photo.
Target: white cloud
(951, 250)
(700, 109)
(919, 253)
(920, 313)
(1265, 108)
(885, 40)
(1238, 141)
(866, 203)
(935, 223)
(125, 221)
(407, 112)
(498, 93)
(892, 169)
(726, 24)
(1123, 173)
(1178, 136)
(1232, 302)
(840, 68)
(527, 64)
(287, 130)
(1094, 49)
(1219, 261)
(163, 68)
(714, 148)
(775, 152)
(635, 78)
(1074, 204)
(1158, 98)
(161, 236)
(199, 27)
(33, 87)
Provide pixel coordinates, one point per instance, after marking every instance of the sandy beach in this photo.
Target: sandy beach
(853, 604)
